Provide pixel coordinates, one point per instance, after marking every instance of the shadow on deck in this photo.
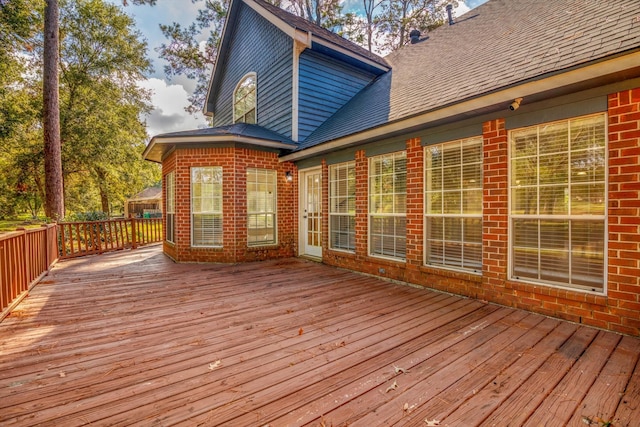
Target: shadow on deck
(131, 338)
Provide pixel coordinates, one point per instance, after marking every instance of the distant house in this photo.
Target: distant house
(497, 157)
(147, 203)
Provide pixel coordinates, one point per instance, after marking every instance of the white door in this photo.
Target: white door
(311, 212)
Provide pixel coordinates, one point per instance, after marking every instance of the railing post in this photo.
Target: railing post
(23, 285)
(133, 234)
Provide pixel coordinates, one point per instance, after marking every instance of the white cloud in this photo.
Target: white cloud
(169, 101)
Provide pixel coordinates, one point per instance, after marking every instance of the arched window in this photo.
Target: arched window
(244, 100)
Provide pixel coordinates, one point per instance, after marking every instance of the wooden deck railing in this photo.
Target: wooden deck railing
(95, 237)
(25, 257)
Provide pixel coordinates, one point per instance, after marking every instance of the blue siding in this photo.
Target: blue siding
(325, 86)
(257, 45)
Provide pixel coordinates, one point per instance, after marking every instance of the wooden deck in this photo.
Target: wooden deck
(131, 338)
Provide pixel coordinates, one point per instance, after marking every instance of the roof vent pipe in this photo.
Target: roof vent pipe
(450, 14)
(415, 36)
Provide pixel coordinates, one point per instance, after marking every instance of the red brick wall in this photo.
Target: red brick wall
(624, 214)
(617, 310)
(234, 163)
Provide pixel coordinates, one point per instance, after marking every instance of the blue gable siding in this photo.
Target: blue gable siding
(257, 46)
(325, 85)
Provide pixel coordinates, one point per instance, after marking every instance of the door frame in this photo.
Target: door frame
(302, 188)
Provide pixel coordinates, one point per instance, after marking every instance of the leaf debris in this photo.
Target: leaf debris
(215, 365)
(392, 387)
(432, 423)
(400, 370)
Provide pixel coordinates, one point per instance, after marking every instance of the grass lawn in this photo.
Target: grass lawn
(24, 221)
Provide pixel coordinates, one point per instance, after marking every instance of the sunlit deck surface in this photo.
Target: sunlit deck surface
(132, 338)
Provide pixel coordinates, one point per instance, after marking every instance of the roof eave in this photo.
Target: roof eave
(505, 95)
(159, 146)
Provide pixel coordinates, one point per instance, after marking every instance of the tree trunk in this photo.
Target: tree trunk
(104, 193)
(54, 202)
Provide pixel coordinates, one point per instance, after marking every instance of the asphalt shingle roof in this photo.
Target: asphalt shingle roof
(237, 129)
(499, 44)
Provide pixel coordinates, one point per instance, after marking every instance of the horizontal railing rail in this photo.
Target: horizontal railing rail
(25, 257)
(96, 237)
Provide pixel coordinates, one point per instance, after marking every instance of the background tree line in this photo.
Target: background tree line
(101, 109)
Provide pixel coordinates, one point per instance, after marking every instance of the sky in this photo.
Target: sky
(169, 96)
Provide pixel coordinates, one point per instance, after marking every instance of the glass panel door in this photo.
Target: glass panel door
(312, 213)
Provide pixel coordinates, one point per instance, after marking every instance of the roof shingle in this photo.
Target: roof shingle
(498, 44)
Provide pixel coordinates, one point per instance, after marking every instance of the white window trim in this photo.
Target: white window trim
(171, 202)
(370, 215)
(191, 207)
(274, 213)
(604, 217)
(426, 215)
(347, 165)
(233, 100)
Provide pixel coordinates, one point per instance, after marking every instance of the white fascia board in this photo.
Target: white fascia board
(506, 96)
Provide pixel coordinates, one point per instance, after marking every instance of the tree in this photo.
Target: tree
(185, 54)
(54, 204)
(54, 191)
(370, 7)
(325, 13)
(398, 17)
(101, 107)
(103, 58)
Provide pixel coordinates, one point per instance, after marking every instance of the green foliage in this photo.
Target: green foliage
(102, 59)
(87, 216)
(183, 52)
(397, 18)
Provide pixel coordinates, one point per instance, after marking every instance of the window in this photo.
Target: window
(244, 100)
(342, 206)
(387, 205)
(558, 203)
(170, 194)
(206, 206)
(261, 207)
(453, 200)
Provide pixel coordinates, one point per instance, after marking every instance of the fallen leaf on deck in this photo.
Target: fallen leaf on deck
(62, 375)
(392, 387)
(215, 365)
(300, 332)
(405, 407)
(432, 423)
(400, 370)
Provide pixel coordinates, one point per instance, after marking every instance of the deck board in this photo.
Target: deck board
(131, 338)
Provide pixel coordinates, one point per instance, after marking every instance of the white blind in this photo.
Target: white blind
(558, 202)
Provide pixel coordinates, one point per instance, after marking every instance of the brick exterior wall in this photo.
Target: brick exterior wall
(618, 309)
(234, 162)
